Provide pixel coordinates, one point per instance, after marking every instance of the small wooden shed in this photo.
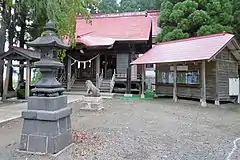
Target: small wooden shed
(23, 56)
(204, 67)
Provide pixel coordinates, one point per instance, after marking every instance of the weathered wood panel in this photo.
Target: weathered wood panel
(211, 80)
(122, 63)
(226, 69)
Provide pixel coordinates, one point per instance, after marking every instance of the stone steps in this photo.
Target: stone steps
(105, 86)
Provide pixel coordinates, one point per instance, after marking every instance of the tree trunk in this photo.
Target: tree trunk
(2, 46)
(22, 43)
(11, 32)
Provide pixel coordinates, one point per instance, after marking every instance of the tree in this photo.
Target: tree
(139, 5)
(108, 6)
(62, 12)
(6, 25)
(189, 18)
(236, 21)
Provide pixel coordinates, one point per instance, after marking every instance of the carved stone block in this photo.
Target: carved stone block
(92, 103)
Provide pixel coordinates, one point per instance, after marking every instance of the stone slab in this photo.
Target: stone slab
(47, 103)
(24, 142)
(91, 103)
(46, 115)
(37, 144)
(61, 141)
(92, 99)
(14, 111)
(46, 136)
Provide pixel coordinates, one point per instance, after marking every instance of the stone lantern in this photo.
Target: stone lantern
(47, 123)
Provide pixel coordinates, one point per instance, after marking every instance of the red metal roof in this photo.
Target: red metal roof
(190, 49)
(91, 41)
(118, 26)
(154, 14)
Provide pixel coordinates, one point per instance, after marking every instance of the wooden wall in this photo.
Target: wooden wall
(227, 67)
(122, 63)
(210, 80)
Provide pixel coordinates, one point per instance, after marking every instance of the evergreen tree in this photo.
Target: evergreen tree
(108, 6)
(236, 15)
(139, 5)
(189, 18)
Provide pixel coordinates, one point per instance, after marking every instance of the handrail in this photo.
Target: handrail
(73, 78)
(61, 78)
(112, 83)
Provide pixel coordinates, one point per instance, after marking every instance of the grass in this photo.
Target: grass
(148, 96)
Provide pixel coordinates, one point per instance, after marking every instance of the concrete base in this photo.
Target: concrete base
(92, 103)
(142, 96)
(47, 125)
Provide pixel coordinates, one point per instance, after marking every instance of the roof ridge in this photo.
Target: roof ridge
(15, 47)
(193, 38)
(116, 14)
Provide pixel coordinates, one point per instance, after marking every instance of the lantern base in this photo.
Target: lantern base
(47, 125)
(48, 92)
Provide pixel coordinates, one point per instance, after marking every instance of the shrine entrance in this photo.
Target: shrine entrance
(108, 65)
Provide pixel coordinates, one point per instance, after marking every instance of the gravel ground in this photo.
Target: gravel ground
(142, 130)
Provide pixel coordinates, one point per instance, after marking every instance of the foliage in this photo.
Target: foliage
(108, 6)
(111, 6)
(139, 5)
(37, 75)
(62, 12)
(61, 55)
(236, 13)
(187, 18)
(21, 93)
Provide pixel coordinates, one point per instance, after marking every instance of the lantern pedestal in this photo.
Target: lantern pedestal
(47, 125)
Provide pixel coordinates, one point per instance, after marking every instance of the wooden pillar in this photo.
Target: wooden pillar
(27, 85)
(175, 83)
(5, 87)
(30, 75)
(143, 80)
(105, 65)
(69, 74)
(21, 71)
(217, 102)
(98, 70)
(203, 75)
(129, 73)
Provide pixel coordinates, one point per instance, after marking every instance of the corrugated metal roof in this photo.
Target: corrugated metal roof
(154, 14)
(190, 49)
(118, 26)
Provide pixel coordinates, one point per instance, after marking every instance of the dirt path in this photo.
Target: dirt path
(140, 130)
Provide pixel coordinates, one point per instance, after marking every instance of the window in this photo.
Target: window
(183, 77)
(149, 65)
